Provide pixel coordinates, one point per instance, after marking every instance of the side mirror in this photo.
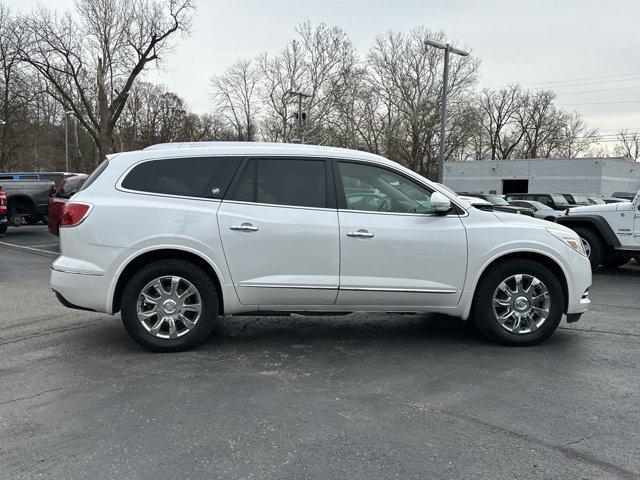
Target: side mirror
(440, 203)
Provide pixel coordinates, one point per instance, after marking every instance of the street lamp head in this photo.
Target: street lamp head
(442, 46)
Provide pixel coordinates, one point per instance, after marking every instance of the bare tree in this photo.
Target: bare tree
(406, 75)
(629, 144)
(92, 59)
(235, 93)
(500, 120)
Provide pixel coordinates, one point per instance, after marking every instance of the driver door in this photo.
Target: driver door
(395, 251)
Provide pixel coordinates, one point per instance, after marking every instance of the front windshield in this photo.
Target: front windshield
(581, 200)
(559, 199)
(496, 200)
(539, 205)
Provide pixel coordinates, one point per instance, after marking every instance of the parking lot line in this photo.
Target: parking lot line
(23, 247)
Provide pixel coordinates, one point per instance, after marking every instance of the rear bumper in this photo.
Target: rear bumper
(80, 291)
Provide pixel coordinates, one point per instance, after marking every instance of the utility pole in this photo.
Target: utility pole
(300, 116)
(66, 140)
(443, 104)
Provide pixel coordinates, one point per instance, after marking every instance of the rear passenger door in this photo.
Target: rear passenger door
(279, 229)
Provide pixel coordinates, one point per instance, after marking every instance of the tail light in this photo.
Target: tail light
(74, 213)
(3, 203)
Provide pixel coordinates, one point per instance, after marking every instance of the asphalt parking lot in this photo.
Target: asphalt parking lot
(356, 396)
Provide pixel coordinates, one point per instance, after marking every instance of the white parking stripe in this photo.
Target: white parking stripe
(28, 248)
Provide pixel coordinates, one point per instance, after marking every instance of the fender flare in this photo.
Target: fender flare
(596, 221)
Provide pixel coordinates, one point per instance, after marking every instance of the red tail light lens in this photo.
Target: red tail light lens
(3, 203)
(74, 213)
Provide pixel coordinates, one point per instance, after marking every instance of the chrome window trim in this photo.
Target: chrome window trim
(242, 202)
(343, 210)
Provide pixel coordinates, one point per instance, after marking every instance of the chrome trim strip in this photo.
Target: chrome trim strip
(348, 289)
(271, 285)
(405, 290)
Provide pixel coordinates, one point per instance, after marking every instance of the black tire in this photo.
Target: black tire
(596, 245)
(616, 260)
(203, 283)
(483, 313)
(3, 228)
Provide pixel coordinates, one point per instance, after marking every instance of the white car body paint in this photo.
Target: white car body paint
(300, 258)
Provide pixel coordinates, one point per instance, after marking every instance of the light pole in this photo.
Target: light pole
(301, 116)
(443, 105)
(66, 139)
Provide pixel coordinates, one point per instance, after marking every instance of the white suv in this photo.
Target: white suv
(176, 235)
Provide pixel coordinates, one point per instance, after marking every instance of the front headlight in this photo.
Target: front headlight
(570, 239)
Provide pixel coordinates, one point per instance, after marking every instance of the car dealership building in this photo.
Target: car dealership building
(591, 176)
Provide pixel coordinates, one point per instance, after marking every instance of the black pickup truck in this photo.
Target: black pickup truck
(27, 200)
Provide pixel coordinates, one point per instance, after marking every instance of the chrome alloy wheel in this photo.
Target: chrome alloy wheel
(169, 307)
(586, 246)
(521, 303)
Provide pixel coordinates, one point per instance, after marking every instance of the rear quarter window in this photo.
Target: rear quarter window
(205, 177)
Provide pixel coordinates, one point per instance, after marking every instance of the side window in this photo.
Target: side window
(69, 188)
(189, 177)
(545, 199)
(376, 189)
(294, 182)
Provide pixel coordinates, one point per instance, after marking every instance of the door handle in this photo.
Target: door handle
(245, 227)
(362, 233)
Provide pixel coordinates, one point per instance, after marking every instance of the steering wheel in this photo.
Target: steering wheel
(385, 204)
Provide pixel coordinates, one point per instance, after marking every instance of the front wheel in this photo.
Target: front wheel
(518, 303)
(3, 228)
(169, 305)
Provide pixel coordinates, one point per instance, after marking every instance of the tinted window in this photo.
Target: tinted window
(376, 189)
(300, 183)
(70, 187)
(189, 177)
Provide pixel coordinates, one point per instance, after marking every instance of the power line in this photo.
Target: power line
(599, 103)
(580, 79)
(599, 90)
(594, 83)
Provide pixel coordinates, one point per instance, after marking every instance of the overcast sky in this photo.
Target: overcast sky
(530, 42)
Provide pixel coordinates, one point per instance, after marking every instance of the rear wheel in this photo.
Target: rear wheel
(3, 228)
(170, 305)
(593, 245)
(518, 303)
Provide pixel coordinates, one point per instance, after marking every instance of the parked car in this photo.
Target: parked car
(577, 199)
(553, 200)
(499, 203)
(176, 235)
(478, 203)
(3, 212)
(610, 232)
(27, 200)
(68, 187)
(19, 176)
(629, 196)
(540, 210)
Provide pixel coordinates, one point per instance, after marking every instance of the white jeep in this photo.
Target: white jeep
(609, 232)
